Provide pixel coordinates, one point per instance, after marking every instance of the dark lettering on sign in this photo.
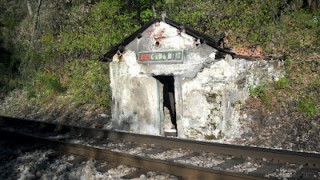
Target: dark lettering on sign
(161, 57)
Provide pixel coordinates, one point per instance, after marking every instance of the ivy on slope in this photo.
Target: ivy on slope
(52, 50)
(69, 65)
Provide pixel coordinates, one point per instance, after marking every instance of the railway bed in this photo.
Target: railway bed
(25, 160)
(198, 159)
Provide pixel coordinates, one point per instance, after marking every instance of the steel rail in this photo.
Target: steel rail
(184, 171)
(275, 155)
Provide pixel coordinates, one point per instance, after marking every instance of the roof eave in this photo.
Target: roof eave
(206, 39)
(108, 56)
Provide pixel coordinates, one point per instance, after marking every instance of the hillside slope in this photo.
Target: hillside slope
(50, 50)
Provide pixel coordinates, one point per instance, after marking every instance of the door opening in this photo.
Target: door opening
(169, 105)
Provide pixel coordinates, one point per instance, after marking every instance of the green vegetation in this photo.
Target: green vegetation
(259, 91)
(40, 39)
(88, 82)
(51, 49)
(46, 85)
(307, 105)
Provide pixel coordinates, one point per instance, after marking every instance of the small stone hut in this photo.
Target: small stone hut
(168, 79)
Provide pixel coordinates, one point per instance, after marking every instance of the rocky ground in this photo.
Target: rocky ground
(88, 115)
(279, 133)
(290, 132)
(32, 161)
(22, 160)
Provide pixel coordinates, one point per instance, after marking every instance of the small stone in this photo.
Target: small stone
(142, 176)
(150, 174)
(107, 126)
(103, 115)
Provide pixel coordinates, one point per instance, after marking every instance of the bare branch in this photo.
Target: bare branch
(29, 8)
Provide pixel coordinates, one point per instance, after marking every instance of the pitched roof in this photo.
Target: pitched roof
(188, 30)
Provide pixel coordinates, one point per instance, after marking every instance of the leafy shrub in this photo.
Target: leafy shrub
(99, 28)
(258, 91)
(45, 86)
(307, 106)
(282, 83)
(88, 82)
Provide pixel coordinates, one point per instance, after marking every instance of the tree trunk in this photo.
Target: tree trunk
(29, 8)
(311, 4)
(36, 20)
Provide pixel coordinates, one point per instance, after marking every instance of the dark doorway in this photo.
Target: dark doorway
(169, 97)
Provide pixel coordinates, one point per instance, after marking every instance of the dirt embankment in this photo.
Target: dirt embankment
(88, 115)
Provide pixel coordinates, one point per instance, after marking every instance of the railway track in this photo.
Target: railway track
(184, 158)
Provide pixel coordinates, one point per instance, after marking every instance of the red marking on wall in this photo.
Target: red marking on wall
(159, 35)
(145, 57)
(150, 31)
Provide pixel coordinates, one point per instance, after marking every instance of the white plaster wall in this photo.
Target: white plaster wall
(135, 105)
(212, 100)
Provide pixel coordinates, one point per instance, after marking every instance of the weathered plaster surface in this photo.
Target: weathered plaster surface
(212, 100)
(133, 103)
(208, 91)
